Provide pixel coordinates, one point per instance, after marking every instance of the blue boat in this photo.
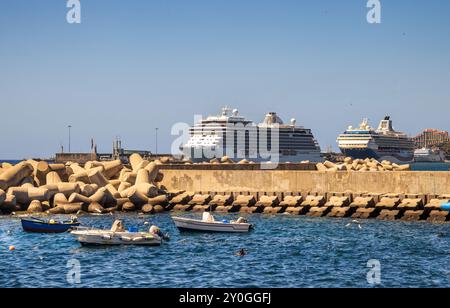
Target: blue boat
(36, 225)
(445, 207)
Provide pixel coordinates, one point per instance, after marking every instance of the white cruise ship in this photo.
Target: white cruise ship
(383, 143)
(229, 134)
(429, 155)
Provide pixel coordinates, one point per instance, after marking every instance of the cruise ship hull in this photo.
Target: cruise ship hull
(270, 141)
(429, 159)
(314, 158)
(395, 157)
(383, 143)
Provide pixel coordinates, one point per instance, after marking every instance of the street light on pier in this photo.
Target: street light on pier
(156, 137)
(69, 127)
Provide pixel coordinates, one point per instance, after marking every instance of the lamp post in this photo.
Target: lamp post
(156, 139)
(69, 127)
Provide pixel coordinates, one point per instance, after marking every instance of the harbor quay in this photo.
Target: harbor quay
(293, 189)
(384, 191)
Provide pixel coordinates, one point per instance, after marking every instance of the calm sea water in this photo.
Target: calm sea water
(283, 251)
(431, 166)
(10, 161)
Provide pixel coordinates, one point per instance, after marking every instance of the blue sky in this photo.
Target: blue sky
(131, 66)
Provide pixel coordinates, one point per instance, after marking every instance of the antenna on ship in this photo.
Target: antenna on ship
(365, 123)
(225, 110)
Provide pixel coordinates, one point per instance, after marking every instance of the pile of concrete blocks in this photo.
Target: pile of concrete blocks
(98, 187)
(360, 165)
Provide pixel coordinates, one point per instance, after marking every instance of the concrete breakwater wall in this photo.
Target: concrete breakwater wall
(339, 205)
(407, 196)
(290, 181)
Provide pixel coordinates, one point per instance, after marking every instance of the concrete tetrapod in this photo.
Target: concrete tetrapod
(24, 195)
(143, 177)
(68, 188)
(136, 196)
(53, 178)
(77, 198)
(153, 170)
(40, 170)
(123, 186)
(2, 196)
(146, 189)
(35, 207)
(135, 161)
(99, 196)
(14, 175)
(59, 199)
(95, 207)
(88, 189)
(80, 177)
(74, 169)
(96, 177)
(112, 168)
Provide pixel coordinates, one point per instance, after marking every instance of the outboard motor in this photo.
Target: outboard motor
(241, 220)
(156, 230)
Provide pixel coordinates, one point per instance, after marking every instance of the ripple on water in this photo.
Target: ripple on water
(283, 251)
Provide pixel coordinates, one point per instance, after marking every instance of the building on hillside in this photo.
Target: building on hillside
(430, 138)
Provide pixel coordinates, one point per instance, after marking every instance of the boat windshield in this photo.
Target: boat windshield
(207, 217)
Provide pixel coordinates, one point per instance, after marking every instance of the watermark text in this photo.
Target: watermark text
(74, 14)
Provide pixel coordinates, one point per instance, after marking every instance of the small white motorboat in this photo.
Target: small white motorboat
(209, 224)
(118, 236)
